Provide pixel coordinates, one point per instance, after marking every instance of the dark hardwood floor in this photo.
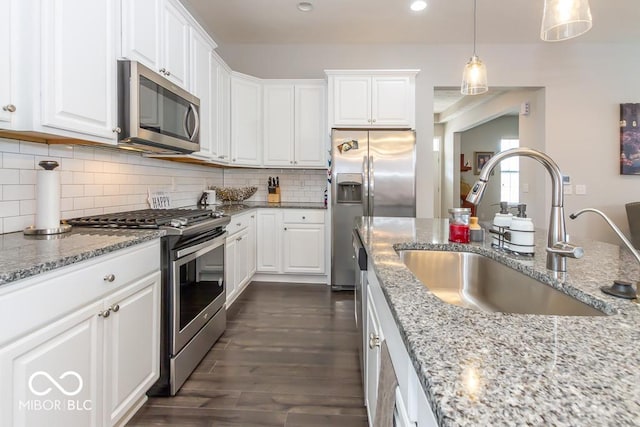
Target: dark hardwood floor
(288, 358)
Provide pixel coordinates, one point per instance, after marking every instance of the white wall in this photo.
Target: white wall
(584, 85)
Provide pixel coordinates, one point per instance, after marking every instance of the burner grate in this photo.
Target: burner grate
(146, 218)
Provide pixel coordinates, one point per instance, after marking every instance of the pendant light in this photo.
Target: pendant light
(565, 19)
(474, 77)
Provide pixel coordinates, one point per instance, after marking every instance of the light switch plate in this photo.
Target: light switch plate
(581, 189)
(567, 189)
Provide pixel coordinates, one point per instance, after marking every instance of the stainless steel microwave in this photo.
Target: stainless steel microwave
(155, 115)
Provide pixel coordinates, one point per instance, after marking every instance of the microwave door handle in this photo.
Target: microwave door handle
(196, 118)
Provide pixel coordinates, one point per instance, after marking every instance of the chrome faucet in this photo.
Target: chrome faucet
(558, 249)
(615, 228)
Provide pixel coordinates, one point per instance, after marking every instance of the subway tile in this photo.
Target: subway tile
(34, 148)
(73, 165)
(61, 150)
(71, 214)
(84, 152)
(18, 161)
(104, 201)
(66, 204)
(18, 192)
(94, 211)
(9, 176)
(73, 190)
(9, 208)
(17, 223)
(93, 190)
(83, 177)
(27, 207)
(83, 203)
(111, 189)
(66, 177)
(9, 145)
(27, 176)
(93, 166)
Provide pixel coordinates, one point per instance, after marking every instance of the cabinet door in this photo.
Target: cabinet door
(310, 126)
(224, 113)
(242, 255)
(268, 241)
(372, 351)
(391, 101)
(175, 44)
(278, 125)
(230, 260)
(251, 245)
(6, 99)
(52, 377)
(352, 101)
(202, 86)
(132, 337)
(141, 31)
(78, 54)
(246, 119)
(303, 248)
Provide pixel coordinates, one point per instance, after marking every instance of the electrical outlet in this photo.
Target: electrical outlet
(567, 189)
(525, 188)
(581, 189)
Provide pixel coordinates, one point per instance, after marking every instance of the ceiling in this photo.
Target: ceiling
(391, 21)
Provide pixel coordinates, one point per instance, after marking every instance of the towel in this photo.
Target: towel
(387, 383)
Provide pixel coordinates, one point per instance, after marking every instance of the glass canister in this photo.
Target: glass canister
(459, 225)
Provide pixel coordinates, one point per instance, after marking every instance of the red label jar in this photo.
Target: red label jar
(459, 225)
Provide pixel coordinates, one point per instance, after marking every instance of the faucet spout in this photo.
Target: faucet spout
(613, 226)
(558, 249)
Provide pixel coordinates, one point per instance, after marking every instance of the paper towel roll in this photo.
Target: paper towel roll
(47, 196)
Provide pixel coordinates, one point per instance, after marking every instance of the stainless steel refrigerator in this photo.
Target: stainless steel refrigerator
(372, 174)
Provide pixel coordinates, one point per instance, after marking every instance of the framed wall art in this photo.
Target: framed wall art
(629, 139)
(480, 158)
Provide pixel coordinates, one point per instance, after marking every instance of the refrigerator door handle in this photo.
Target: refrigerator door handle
(371, 186)
(365, 185)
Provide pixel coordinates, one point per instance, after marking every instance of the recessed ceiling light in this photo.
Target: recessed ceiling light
(418, 5)
(305, 6)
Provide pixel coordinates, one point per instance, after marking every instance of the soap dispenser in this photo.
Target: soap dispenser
(522, 232)
(501, 223)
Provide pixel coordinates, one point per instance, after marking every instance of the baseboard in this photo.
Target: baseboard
(295, 278)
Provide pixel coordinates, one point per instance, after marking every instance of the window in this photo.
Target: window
(510, 173)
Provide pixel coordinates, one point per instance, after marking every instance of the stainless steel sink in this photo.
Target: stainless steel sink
(481, 283)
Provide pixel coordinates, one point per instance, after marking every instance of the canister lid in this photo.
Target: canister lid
(460, 211)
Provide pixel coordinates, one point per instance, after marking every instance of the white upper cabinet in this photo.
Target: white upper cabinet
(372, 98)
(294, 124)
(6, 98)
(158, 34)
(221, 147)
(246, 120)
(78, 81)
(204, 85)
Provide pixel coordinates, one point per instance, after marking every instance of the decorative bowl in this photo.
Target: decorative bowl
(234, 194)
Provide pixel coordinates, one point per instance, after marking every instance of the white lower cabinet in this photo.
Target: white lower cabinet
(240, 254)
(412, 408)
(291, 241)
(91, 363)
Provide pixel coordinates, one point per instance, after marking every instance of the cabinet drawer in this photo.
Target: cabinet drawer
(303, 216)
(240, 221)
(29, 304)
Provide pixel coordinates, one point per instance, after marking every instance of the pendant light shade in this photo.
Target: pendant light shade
(565, 19)
(474, 77)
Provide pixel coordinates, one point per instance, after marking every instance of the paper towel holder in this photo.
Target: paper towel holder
(63, 227)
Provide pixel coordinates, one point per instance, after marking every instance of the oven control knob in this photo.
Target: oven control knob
(175, 223)
(183, 221)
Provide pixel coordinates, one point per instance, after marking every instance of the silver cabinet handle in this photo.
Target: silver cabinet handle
(163, 71)
(109, 278)
(116, 130)
(374, 341)
(115, 308)
(253, 216)
(374, 120)
(304, 217)
(238, 239)
(10, 108)
(285, 229)
(105, 313)
(290, 162)
(233, 160)
(222, 157)
(168, 73)
(239, 224)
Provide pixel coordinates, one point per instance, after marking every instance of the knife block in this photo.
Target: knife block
(274, 197)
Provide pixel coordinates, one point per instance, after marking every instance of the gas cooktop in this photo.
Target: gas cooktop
(152, 219)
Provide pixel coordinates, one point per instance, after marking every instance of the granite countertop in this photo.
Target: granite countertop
(26, 256)
(481, 369)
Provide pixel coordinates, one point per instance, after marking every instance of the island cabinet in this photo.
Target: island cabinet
(80, 345)
(292, 242)
(372, 98)
(294, 123)
(240, 254)
(412, 408)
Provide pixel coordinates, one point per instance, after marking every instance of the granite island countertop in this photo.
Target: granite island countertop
(494, 369)
(26, 256)
(236, 208)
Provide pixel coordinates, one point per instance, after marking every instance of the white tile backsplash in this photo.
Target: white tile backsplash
(96, 180)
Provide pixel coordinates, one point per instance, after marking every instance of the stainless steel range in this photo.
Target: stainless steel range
(193, 284)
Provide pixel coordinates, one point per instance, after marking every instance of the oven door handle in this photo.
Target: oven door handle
(202, 248)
